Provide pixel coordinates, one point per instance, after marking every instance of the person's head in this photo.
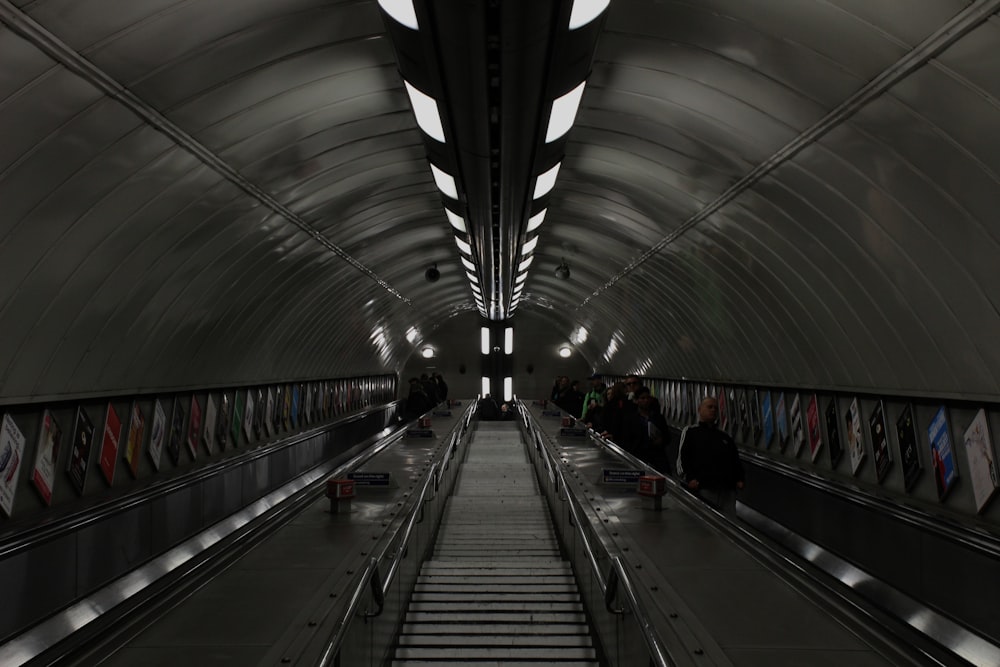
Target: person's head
(616, 391)
(595, 380)
(504, 407)
(644, 400)
(708, 409)
(632, 383)
(563, 381)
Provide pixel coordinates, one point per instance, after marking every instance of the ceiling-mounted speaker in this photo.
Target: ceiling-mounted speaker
(432, 275)
(562, 271)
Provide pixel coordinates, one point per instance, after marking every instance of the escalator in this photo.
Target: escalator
(496, 588)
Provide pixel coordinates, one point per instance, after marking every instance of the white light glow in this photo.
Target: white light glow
(565, 352)
(564, 113)
(469, 265)
(463, 246)
(484, 338)
(486, 386)
(535, 221)
(545, 182)
(508, 340)
(579, 337)
(521, 278)
(585, 11)
(508, 388)
(411, 335)
(457, 221)
(529, 246)
(472, 278)
(425, 108)
(525, 264)
(427, 352)
(476, 290)
(445, 182)
(403, 12)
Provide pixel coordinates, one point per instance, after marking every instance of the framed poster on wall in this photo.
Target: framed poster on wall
(156, 436)
(909, 453)
(49, 439)
(248, 415)
(79, 459)
(258, 418)
(211, 417)
(286, 412)
(723, 417)
(222, 423)
(855, 440)
(194, 427)
(270, 421)
(133, 441)
(768, 419)
(176, 435)
(108, 459)
(833, 432)
(982, 461)
(745, 426)
(812, 422)
(781, 420)
(942, 456)
(11, 455)
(880, 441)
(798, 435)
(237, 422)
(755, 421)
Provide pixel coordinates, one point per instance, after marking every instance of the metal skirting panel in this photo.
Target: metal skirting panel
(47, 575)
(958, 580)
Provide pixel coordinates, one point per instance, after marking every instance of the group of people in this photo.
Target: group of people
(629, 415)
(425, 392)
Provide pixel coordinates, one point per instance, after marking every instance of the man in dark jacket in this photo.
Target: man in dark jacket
(648, 433)
(709, 462)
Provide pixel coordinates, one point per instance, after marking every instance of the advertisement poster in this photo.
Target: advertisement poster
(723, 417)
(768, 419)
(79, 457)
(176, 436)
(833, 432)
(133, 442)
(855, 441)
(109, 444)
(194, 427)
(222, 426)
(781, 418)
(258, 416)
(982, 461)
(286, 412)
(248, 416)
(795, 422)
(234, 427)
(11, 453)
(812, 422)
(685, 402)
(744, 416)
(269, 420)
(909, 453)
(755, 421)
(156, 437)
(942, 458)
(308, 402)
(211, 415)
(49, 438)
(880, 441)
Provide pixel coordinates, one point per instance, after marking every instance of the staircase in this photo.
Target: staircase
(496, 591)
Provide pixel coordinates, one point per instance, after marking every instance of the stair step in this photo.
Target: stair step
(444, 629)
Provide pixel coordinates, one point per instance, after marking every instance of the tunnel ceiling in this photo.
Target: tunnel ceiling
(207, 193)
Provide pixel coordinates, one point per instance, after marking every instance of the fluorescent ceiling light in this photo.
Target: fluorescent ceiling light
(585, 11)
(529, 246)
(544, 183)
(508, 340)
(445, 182)
(472, 278)
(425, 108)
(565, 352)
(524, 265)
(563, 113)
(469, 265)
(427, 352)
(476, 291)
(402, 11)
(484, 339)
(508, 388)
(486, 385)
(535, 221)
(463, 246)
(458, 222)
(411, 335)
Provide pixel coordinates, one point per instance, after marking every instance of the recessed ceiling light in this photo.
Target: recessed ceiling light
(463, 246)
(563, 113)
(445, 182)
(425, 108)
(535, 221)
(585, 11)
(529, 246)
(457, 221)
(403, 12)
(545, 182)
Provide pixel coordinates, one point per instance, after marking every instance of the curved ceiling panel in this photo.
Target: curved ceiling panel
(200, 192)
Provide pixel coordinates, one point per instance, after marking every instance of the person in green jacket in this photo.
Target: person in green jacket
(594, 397)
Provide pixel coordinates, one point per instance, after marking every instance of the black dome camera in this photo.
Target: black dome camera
(562, 271)
(432, 275)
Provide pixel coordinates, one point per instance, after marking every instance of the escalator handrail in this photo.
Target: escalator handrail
(332, 646)
(659, 654)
